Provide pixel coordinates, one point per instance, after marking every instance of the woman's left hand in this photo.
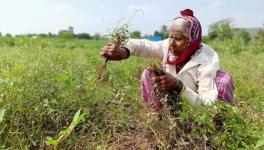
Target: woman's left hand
(166, 82)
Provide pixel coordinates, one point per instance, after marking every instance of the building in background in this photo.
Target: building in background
(69, 30)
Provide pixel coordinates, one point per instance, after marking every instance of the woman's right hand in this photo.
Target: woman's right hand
(113, 51)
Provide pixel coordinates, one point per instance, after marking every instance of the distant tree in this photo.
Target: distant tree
(51, 35)
(205, 39)
(0, 34)
(32, 35)
(97, 36)
(8, 35)
(164, 31)
(212, 35)
(242, 34)
(43, 35)
(29, 35)
(19, 35)
(221, 30)
(135, 34)
(66, 35)
(83, 36)
(157, 33)
(260, 35)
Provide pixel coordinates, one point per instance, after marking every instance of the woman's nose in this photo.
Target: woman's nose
(173, 43)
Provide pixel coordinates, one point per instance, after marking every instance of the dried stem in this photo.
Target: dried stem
(170, 98)
(119, 36)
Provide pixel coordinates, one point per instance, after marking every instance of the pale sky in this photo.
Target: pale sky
(43, 16)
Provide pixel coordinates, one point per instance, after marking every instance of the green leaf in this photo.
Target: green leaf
(66, 132)
(260, 143)
(2, 114)
(50, 141)
(76, 115)
(6, 75)
(62, 78)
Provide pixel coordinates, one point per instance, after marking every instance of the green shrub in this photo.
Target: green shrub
(66, 35)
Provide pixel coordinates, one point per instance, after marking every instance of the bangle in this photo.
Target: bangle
(179, 87)
(182, 90)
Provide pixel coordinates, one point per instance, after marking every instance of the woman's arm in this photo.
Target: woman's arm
(136, 47)
(145, 48)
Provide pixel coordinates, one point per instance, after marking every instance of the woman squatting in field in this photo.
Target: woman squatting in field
(192, 68)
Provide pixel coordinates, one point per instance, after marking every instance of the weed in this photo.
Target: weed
(119, 36)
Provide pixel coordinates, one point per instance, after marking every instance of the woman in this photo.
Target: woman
(191, 66)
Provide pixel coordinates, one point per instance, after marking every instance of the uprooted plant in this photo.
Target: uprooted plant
(171, 98)
(119, 36)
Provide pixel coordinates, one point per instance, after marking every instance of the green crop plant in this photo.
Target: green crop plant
(44, 81)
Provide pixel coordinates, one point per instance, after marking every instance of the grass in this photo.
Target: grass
(44, 82)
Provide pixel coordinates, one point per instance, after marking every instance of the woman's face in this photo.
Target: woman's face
(178, 42)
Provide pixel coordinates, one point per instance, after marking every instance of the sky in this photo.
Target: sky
(100, 16)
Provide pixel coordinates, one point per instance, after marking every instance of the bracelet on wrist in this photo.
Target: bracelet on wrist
(179, 87)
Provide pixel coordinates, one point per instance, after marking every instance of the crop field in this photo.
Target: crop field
(45, 82)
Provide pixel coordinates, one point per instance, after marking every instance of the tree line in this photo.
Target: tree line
(67, 35)
(221, 30)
